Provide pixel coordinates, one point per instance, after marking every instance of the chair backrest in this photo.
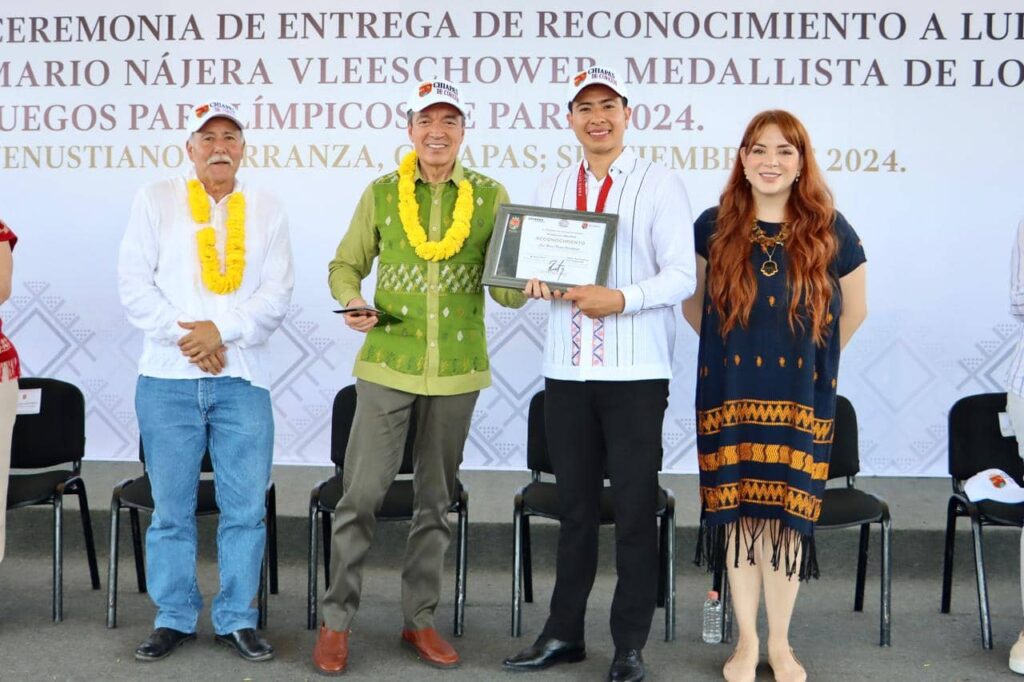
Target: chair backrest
(538, 457)
(845, 459)
(206, 466)
(341, 426)
(975, 442)
(54, 436)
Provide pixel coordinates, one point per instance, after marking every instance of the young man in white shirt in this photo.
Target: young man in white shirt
(205, 271)
(607, 365)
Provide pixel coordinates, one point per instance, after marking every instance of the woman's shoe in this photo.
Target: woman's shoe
(740, 670)
(1017, 655)
(792, 671)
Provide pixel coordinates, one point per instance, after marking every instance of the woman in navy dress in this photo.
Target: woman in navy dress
(781, 288)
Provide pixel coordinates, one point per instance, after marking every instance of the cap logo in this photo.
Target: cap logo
(604, 74)
(580, 77)
(997, 481)
(202, 111)
(426, 89)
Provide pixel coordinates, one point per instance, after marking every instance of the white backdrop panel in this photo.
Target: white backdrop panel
(921, 153)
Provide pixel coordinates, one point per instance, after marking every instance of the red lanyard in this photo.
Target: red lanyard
(581, 190)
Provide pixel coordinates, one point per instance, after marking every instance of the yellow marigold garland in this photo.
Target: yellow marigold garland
(409, 212)
(228, 279)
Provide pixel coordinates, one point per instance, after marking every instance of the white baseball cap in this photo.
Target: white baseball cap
(596, 75)
(207, 111)
(436, 91)
(995, 485)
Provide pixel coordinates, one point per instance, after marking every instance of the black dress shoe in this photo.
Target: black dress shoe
(248, 644)
(546, 652)
(627, 666)
(161, 643)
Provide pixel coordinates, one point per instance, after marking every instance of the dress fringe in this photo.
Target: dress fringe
(791, 550)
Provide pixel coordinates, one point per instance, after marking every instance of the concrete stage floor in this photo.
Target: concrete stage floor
(833, 642)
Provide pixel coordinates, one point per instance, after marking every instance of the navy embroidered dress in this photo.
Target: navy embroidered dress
(765, 406)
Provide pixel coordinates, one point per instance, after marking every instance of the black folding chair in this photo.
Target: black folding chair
(540, 498)
(398, 505)
(54, 436)
(976, 444)
(846, 507)
(135, 495)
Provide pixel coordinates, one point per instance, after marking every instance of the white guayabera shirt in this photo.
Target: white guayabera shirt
(160, 282)
(652, 264)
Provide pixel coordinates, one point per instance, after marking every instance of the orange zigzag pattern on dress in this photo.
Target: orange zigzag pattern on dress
(765, 413)
(770, 493)
(731, 455)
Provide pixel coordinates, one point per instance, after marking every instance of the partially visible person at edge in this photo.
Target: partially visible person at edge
(206, 273)
(9, 372)
(780, 290)
(1015, 400)
(607, 366)
(428, 225)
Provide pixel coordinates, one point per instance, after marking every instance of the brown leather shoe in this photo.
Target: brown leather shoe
(430, 648)
(330, 655)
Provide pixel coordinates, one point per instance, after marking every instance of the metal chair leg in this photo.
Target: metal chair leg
(115, 517)
(886, 579)
(670, 579)
(723, 594)
(140, 562)
(311, 562)
(979, 571)
(261, 592)
(952, 512)
(325, 523)
(862, 568)
(662, 551)
(462, 545)
(517, 568)
(90, 544)
(527, 562)
(58, 558)
(272, 535)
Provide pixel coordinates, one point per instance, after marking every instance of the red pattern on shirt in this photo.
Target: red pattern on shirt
(10, 367)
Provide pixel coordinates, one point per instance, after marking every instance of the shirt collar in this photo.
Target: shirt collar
(457, 176)
(239, 185)
(619, 166)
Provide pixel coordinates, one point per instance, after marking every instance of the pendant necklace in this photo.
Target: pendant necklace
(769, 268)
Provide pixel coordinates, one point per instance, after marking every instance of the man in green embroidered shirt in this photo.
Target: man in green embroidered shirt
(428, 224)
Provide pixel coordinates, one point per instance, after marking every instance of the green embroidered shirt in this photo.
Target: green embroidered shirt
(433, 340)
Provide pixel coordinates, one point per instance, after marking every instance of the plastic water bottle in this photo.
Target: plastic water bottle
(712, 619)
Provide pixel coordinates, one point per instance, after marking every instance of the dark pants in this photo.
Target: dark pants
(585, 421)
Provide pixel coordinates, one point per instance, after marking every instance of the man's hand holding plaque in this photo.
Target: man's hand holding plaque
(555, 248)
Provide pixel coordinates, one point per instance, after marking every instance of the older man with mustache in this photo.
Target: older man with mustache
(206, 273)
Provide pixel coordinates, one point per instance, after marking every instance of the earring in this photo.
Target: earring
(797, 178)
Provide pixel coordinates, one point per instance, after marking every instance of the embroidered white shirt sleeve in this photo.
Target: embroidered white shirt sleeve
(672, 243)
(145, 304)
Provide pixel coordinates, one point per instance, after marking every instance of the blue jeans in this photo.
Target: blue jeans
(180, 419)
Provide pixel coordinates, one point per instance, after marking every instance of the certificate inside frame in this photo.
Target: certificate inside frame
(503, 257)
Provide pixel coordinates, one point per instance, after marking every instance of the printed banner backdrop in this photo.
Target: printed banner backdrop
(915, 114)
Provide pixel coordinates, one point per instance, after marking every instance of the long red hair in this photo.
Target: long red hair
(810, 247)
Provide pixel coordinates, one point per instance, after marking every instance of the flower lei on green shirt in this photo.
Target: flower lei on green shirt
(409, 213)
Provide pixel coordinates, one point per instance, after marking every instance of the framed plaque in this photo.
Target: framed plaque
(561, 248)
